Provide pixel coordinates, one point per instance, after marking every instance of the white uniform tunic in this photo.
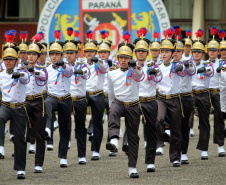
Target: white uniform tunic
(201, 81)
(123, 88)
(37, 81)
(215, 80)
(59, 80)
(148, 85)
(78, 82)
(13, 90)
(96, 80)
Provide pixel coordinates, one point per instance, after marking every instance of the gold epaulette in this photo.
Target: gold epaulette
(151, 64)
(40, 67)
(206, 62)
(2, 70)
(114, 68)
(223, 69)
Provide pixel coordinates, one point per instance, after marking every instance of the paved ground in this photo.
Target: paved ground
(110, 170)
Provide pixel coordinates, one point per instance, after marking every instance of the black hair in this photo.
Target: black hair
(138, 39)
(123, 44)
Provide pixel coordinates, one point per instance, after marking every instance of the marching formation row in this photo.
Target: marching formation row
(165, 90)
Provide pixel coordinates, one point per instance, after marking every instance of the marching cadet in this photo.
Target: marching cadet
(78, 95)
(13, 87)
(59, 98)
(188, 57)
(200, 89)
(221, 69)
(155, 49)
(95, 93)
(168, 100)
(185, 96)
(213, 49)
(187, 46)
(23, 46)
(147, 95)
(35, 102)
(104, 51)
(124, 101)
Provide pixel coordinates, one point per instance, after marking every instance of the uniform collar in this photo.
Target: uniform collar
(9, 72)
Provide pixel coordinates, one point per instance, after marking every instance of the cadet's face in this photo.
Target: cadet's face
(123, 61)
(177, 55)
(223, 54)
(10, 64)
(54, 57)
(42, 58)
(90, 54)
(32, 57)
(166, 55)
(104, 55)
(141, 55)
(155, 53)
(197, 55)
(212, 54)
(71, 57)
(187, 49)
(23, 56)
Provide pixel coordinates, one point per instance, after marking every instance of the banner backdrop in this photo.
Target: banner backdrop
(115, 16)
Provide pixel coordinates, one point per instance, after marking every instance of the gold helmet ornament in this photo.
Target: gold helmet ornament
(10, 51)
(221, 34)
(155, 45)
(188, 41)
(23, 46)
(213, 44)
(70, 46)
(90, 45)
(35, 46)
(125, 49)
(141, 43)
(168, 43)
(56, 46)
(198, 45)
(104, 45)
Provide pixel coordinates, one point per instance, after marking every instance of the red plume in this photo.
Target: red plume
(104, 34)
(138, 34)
(213, 30)
(23, 35)
(156, 35)
(143, 31)
(126, 36)
(41, 34)
(57, 34)
(199, 33)
(9, 35)
(177, 30)
(89, 34)
(76, 33)
(69, 31)
(170, 32)
(221, 34)
(165, 35)
(188, 33)
(36, 38)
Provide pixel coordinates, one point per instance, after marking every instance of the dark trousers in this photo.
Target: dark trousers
(19, 118)
(132, 121)
(90, 127)
(37, 131)
(64, 109)
(202, 102)
(187, 103)
(173, 109)
(150, 111)
(218, 135)
(97, 108)
(80, 108)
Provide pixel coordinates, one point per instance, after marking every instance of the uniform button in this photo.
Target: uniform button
(33, 84)
(18, 91)
(33, 80)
